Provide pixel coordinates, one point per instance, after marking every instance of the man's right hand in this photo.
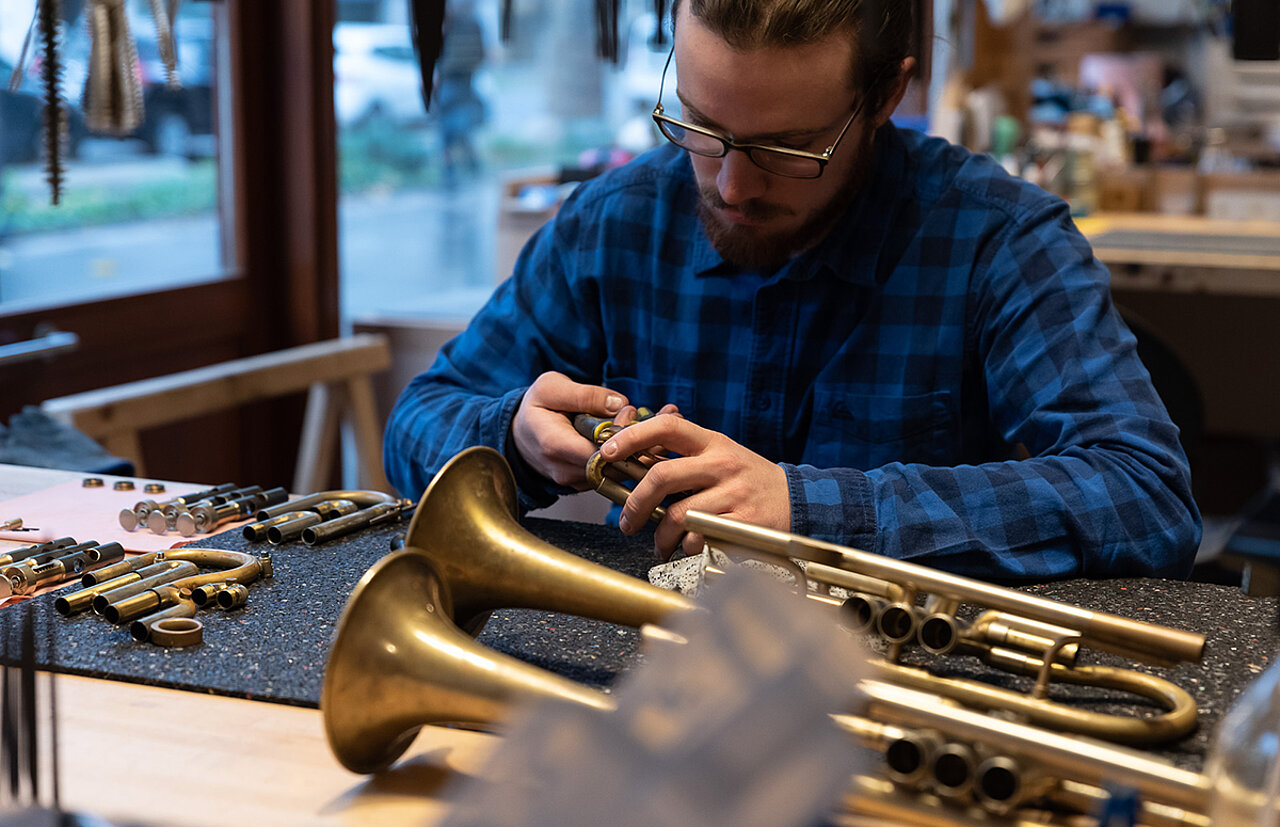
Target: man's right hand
(543, 426)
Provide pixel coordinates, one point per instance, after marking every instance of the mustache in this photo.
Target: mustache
(754, 209)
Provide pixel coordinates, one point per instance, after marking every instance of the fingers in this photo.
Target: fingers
(671, 432)
(544, 435)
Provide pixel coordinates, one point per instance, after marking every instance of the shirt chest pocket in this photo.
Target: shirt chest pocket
(866, 430)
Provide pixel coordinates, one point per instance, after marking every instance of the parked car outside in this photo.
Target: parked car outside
(376, 76)
(22, 118)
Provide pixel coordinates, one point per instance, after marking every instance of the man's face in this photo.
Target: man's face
(797, 97)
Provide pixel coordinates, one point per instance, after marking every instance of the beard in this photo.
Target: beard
(758, 248)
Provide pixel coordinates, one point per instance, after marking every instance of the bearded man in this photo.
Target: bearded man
(851, 331)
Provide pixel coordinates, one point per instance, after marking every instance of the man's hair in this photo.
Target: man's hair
(881, 32)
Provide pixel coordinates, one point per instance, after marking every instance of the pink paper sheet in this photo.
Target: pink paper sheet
(71, 510)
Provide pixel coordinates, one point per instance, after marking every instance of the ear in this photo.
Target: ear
(898, 89)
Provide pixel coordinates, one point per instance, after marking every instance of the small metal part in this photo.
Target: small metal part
(154, 488)
(123, 485)
(11, 525)
(233, 596)
(177, 631)
(92, 482)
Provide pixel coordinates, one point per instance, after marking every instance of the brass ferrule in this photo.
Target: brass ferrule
(102, 575)
(78, 601)
(105, 600)
(233, 596)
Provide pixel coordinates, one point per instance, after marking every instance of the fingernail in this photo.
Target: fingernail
(613, 403)
(624, 524)
(609, 450)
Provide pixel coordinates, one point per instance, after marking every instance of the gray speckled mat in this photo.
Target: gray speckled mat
(275, 648)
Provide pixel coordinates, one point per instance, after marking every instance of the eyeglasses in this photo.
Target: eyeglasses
(779, 160)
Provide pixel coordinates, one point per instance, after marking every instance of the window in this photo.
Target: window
(138, 213)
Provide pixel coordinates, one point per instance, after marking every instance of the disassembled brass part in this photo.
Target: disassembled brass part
(8, 525)
(154, 488)
(233, 596)
(159, 521)
(177, 631)
(92, 482)
(123, 485)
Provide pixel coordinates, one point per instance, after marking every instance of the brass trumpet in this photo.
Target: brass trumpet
(399, 661)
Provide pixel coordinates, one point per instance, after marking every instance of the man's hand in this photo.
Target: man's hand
(722, 476)
(543, 426)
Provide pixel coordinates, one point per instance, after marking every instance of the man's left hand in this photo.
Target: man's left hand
(721, 476)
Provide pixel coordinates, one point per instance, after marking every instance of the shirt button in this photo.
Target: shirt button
(763, 402)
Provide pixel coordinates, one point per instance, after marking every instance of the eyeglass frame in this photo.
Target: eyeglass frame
(823, 158)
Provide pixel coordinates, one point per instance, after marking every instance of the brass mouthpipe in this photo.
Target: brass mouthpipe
(78, 601)
(97, 576)
(140, 629)
(103, 601)
(1145, 642)
(363, 499)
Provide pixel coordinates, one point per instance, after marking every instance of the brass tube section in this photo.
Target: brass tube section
(232, 597)
(26, 552)
(351, 523)
(611, 488)
(145, 602)
(103, 601)
(289, 530)
(140, 629)
(1145, 642)
(364, 499)
(1086, 798)
(93, 578)
(78, 601)
(952, 769)
(25, 580)
(237, 566)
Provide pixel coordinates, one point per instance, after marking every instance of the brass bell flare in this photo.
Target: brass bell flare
(399, 663)
(466, 523)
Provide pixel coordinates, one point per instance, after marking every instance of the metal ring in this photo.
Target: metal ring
(177, 631)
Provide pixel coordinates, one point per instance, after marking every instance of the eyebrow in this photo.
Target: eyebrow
(787, 135)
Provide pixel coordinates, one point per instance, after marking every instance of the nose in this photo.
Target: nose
(739, 179)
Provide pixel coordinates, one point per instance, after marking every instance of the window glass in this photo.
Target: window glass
(136, 213)
(435, 206)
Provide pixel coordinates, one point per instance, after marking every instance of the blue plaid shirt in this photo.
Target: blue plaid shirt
(901, 371)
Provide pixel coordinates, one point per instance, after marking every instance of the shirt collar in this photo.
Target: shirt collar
(850, 251)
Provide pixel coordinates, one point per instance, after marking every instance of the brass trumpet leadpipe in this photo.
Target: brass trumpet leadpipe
(1146, 642)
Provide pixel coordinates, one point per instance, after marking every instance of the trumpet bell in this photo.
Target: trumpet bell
(398, 663)
(466, 523)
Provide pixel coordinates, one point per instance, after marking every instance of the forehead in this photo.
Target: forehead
(766, 89)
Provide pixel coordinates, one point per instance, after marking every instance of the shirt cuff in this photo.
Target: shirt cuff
(832, 504)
